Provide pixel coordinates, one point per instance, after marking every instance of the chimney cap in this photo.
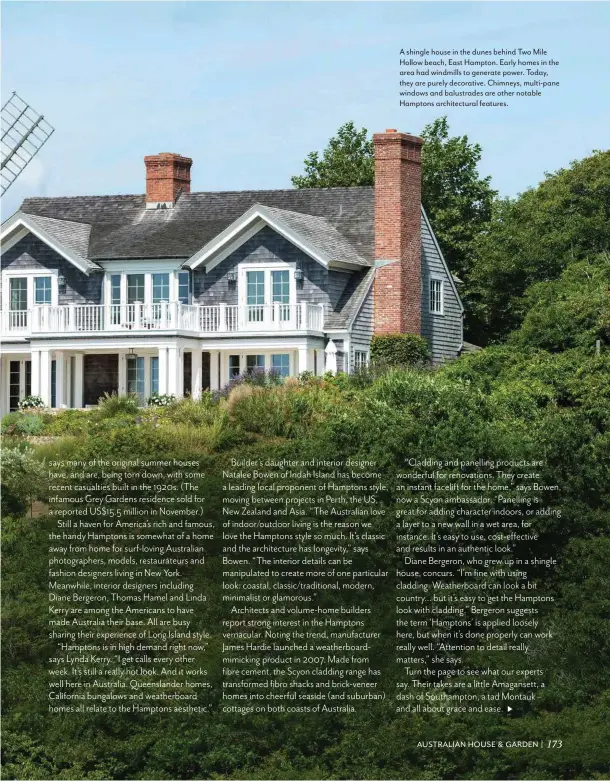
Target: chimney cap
(391, 130)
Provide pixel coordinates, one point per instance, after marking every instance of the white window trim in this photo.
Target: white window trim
(30, 275)
(148, 283)
(436, 278)
(361, 348)
(242, 288)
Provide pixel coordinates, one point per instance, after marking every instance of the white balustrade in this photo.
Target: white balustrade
(164, 316)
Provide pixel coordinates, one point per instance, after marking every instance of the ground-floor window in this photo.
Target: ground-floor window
(135, 376)
(14, 384)
(233, 366)
(281, 364)
(360, 359)
(28, 378)
(154, 375)
(254, 362)
(54, 384)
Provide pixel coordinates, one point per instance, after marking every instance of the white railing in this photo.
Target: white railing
(221, 318)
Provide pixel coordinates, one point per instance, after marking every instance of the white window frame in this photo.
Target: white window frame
(147, 269)
(30, 275)
(441, 282)
(358, 348)
(242, 287)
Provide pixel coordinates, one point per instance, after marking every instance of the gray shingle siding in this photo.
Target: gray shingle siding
(443, 332)
(362, 328)
(264, 247)
(31, 253)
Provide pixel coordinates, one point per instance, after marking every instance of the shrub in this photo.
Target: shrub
(31, 402)
(69, 422)
(23, 479)
(29, 425)
(161, 400)
(9, 422)
(399, 350)
(111, 404)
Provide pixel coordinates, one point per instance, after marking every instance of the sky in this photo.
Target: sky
(249, 89)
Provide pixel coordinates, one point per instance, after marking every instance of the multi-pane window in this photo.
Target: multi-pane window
(280, 364)
(436, 296)
(14, 384)
(42, 290)
(135, 376)
(160, 288)
(184, 287)
(280, 291)
(18, 293)
(360, 359)
(115, 298)
(28, 378)
(233, 366)
(255, 295)
(54, 384)
(254, 362)
(135, 288)
(154, 375)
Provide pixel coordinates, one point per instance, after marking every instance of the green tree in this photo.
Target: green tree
(347, 161)
(533, 238)
(457, 199)
(572, 311)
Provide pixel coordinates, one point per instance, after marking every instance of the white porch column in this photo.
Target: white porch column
(45, 377)
(79, 376)
(162, 370)
(214, 379)
(180, 372)
(319, 362)
(196, 373)
(35, 372)
(303, 360)
(172, 370)
(60, 374)
(122, 389)
(224, 368)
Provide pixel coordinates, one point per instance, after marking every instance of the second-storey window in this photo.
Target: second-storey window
(18, 293)
(135, 288)
(184, 287)
(42, 290)
(436, 296)
(160, 288)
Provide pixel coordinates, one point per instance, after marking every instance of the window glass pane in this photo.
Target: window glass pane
(233, 366)
(115, 289)
(53, 383)
(28, 378)
(19, 293)
(13, 384)
(436, 295)
(135, 376)
(184, 287)
(135, 288)
(281, 364)
(160, 288)
(255, 362)
(42, 290)
(154, 375)
(280, 284)
(255, 287)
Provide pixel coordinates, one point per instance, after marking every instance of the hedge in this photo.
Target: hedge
(399, 350)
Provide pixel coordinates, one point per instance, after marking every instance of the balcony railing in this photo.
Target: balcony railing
(221, 318)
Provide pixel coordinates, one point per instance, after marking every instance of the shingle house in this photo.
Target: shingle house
(176, 291)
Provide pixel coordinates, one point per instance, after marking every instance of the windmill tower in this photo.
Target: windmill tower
(24, 132)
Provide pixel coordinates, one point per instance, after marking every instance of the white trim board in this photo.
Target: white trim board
(20, 220)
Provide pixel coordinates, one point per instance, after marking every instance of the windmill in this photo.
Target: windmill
(24, 132)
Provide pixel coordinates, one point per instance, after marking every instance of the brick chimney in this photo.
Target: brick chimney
(397, 286)
(166, 174)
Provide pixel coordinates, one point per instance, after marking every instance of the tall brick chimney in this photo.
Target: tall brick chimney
(166, 174)
(397, 286)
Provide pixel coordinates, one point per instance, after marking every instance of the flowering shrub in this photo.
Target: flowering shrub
(258, 377)
(31, 402)
(161, 400)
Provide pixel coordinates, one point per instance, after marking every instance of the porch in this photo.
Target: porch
(74, 379)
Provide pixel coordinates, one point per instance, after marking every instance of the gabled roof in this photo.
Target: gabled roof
(314, 235)
(69, 239)
(122, 227)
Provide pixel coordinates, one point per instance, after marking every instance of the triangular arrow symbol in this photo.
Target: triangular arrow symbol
(508, 708)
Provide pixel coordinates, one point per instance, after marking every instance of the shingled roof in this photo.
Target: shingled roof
(122, 227)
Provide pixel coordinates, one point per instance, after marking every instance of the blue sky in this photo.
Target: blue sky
(248, 89)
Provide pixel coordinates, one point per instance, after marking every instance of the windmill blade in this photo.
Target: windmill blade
(24, 132)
